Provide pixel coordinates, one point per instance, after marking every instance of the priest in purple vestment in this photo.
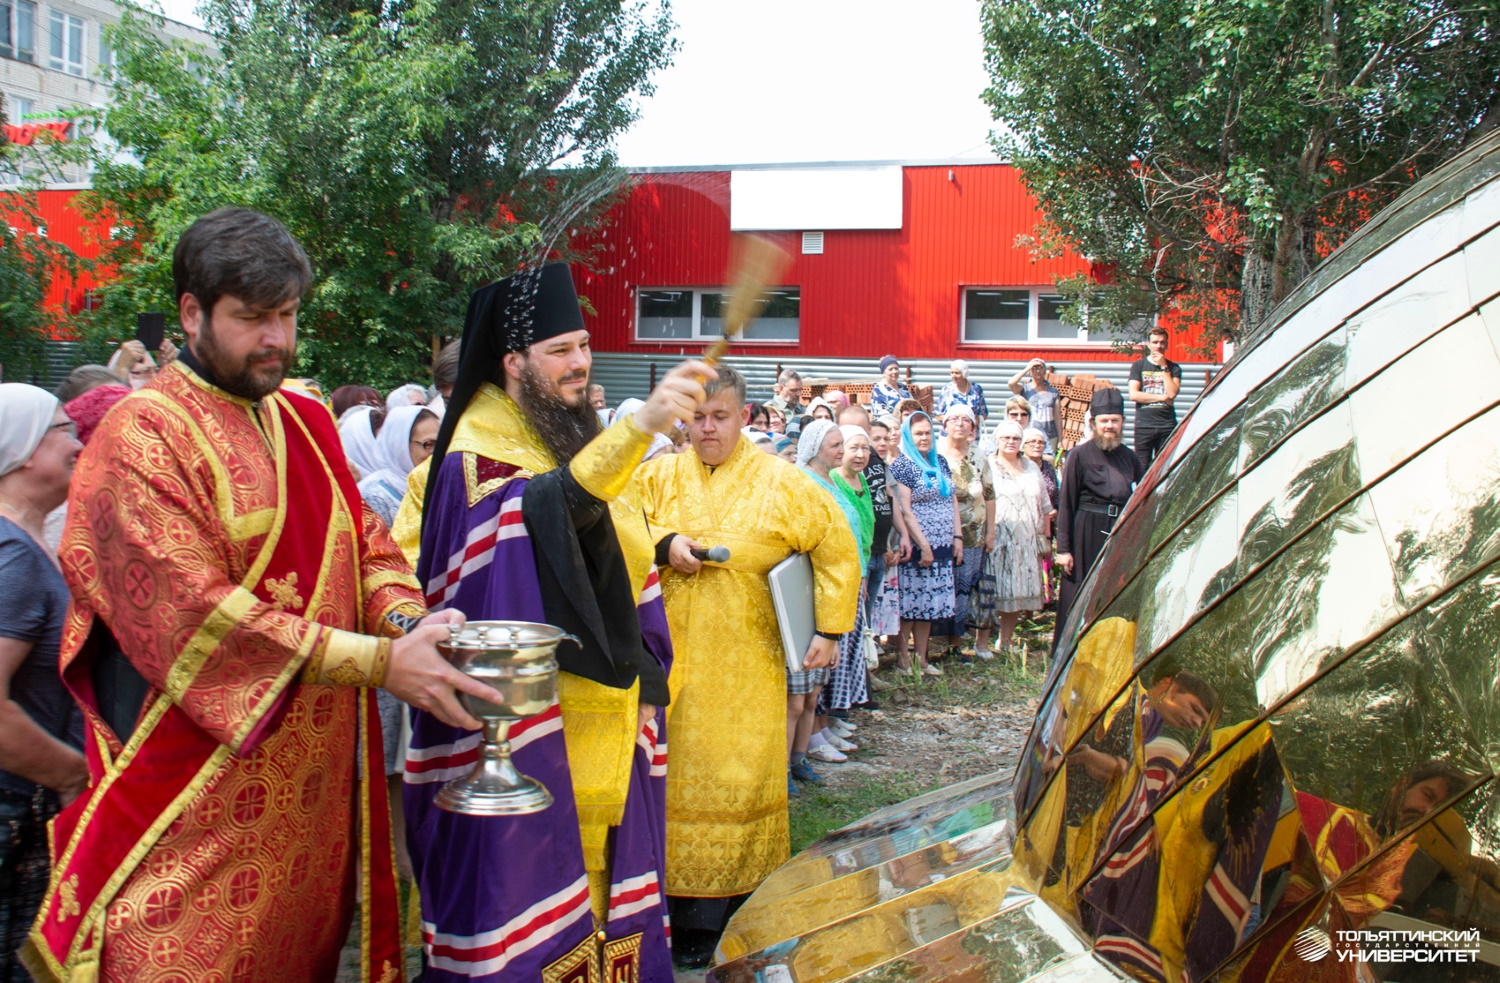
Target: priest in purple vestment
(529, 512)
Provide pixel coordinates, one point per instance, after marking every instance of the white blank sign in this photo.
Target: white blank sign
(815, 198)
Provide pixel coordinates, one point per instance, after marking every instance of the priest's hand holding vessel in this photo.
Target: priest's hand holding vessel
(516, 662)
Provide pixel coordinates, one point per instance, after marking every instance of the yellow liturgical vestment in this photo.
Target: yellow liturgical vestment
(726, 726)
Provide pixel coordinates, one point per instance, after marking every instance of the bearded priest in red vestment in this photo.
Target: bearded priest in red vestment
(235, 603)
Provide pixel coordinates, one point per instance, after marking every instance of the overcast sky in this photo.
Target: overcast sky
(809, 80)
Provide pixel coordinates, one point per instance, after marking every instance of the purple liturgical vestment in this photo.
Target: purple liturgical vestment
(508, 897)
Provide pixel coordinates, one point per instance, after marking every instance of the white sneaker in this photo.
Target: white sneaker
(986, 654)
(826, 752)
(837, 741)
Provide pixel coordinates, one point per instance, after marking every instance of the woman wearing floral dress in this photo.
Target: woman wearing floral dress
(925, 487)
(972, 496)
(889, 390)
(1012, 580)
(1034, 446)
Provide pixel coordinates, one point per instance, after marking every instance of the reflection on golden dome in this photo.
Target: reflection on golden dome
(1275, 705)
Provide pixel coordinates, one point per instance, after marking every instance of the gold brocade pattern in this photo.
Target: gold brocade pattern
(579, 966)
(726, 787)
(151, 547)
(599, 722)
(285, 593)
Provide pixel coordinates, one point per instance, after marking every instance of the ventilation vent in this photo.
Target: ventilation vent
(812, 243)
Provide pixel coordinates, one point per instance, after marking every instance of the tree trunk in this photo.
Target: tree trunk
(1256, 276)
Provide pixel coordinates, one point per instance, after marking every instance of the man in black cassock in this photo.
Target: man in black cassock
(1097, 481)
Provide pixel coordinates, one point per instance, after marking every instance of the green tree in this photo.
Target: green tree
(1209, 153)
(417, 149)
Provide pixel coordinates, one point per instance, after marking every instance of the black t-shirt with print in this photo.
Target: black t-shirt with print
(875, 477)
(1154, 380)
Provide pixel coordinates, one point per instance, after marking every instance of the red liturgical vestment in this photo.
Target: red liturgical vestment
(224, 547)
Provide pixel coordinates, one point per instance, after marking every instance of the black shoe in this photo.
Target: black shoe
(869, 705)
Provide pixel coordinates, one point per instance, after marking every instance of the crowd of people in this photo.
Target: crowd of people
(221, 667)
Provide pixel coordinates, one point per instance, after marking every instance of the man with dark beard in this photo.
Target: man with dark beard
(234, 606)
(530, 513)
(1098, 477)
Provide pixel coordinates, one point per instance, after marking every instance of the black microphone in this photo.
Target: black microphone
(714, 554)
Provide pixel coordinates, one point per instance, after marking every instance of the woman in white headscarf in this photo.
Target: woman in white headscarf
(406, 439)
(822, 409)
(41, 731)
(410, 394)
(357, 430)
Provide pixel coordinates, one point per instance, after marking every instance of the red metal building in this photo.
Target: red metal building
(63, 223)
(944, 278)
(935, 274)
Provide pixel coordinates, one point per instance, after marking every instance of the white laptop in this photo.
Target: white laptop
(792, 595)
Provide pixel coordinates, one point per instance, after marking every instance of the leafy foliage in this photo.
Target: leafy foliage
(412, 147)
(1208, 153)
(27, 260)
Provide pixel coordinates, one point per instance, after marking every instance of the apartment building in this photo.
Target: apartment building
(54, 58)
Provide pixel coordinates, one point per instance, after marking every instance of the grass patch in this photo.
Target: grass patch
(820, 810)
(981, 683)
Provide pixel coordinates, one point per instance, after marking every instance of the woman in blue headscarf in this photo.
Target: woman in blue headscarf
(925, 489)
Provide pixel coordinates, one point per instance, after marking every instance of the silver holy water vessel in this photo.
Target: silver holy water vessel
(517, 659)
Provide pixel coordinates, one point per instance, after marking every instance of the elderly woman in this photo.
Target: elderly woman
(1012, 580)
(925, 489)
(410, 394)
(358, 431)
(961, 390)
(406, 439)
(820, 449)
(41, 731)
(847, 688)
(1031, 382)
(1034, 444)
(821, 409)
(975, 505)
(904, 409)
(889, 390)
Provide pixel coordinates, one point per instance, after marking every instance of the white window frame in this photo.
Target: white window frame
(1033, 321)
(26, 55)
(107, 58)
(1033, 308)
(699, 336)
(61, 24)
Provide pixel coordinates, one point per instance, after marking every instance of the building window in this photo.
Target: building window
(697, 314)
(1000, 315)
(65, 51)
(18, 29)
(106, 53)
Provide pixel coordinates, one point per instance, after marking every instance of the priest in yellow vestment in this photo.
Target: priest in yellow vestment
(726, 784)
